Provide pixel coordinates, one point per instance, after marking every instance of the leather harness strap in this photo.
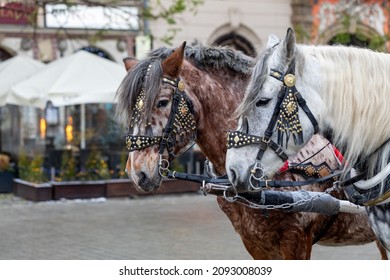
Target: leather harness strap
(288, 80)
(167, 140)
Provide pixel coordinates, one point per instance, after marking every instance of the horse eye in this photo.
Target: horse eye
(162, 103)
(263, 102)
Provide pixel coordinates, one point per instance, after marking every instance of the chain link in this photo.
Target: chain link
(242, 200)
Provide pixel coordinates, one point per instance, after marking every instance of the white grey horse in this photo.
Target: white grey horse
(299, 90)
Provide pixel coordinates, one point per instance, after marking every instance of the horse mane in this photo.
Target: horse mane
(205, 58)
(217, 57)
(355, 88)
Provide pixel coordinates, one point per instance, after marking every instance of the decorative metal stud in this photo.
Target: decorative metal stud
(289, 80)
(184, 120)
(275, 74)
(184, 110)
(310, 171)
(140, 104)
(288, 122)
(290, 107)
(323, 171)
(181, 86)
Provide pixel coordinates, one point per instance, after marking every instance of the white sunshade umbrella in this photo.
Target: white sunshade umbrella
(13, 71)
(79, 78)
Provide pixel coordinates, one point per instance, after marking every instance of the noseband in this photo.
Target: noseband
(284, 119)
(181, 119)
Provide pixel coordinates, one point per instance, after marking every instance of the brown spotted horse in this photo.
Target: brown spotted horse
(172, 98)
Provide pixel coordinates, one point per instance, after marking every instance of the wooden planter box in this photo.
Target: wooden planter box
(79, 189)
(6, 181)
(31, 191)
(178, 186)
(124, 187)
(95, 189)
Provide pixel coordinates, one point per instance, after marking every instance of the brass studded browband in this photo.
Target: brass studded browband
(135, 142)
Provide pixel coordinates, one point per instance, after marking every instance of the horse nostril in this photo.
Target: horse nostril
(142, 178)
(233, 177)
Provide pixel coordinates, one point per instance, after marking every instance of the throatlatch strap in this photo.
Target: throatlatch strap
(302, 103)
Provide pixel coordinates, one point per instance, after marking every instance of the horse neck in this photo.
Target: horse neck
(355, 98)
(215, 93)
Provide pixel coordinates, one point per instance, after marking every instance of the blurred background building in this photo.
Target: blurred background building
(49, 30)
(246, 24)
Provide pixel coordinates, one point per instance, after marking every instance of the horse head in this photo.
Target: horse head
(159, 115)
(273, 123)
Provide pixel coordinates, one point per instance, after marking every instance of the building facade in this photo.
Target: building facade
(49, 31)
(243, 24)
(247, 24)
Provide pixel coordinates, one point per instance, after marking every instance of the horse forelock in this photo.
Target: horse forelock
(355, 89)
(259, 75)
(139, 78)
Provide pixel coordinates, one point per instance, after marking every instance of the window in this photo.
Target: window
(237, 42)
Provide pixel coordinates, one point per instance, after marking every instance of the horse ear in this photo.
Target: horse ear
(272, 40)
(172, 65)
(289, 43)
(130, 62)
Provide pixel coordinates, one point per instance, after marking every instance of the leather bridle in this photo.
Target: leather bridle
(284, 120)
(181, 120)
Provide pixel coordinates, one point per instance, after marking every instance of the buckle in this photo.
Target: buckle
(266, 141)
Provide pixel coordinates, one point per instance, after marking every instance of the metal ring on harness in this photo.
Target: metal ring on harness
(256, 167)
(230, 198)
(163, 166)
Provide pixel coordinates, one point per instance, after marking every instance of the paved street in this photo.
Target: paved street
(186, 226)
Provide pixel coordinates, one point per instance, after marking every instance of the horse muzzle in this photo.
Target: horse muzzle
(145, 182)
